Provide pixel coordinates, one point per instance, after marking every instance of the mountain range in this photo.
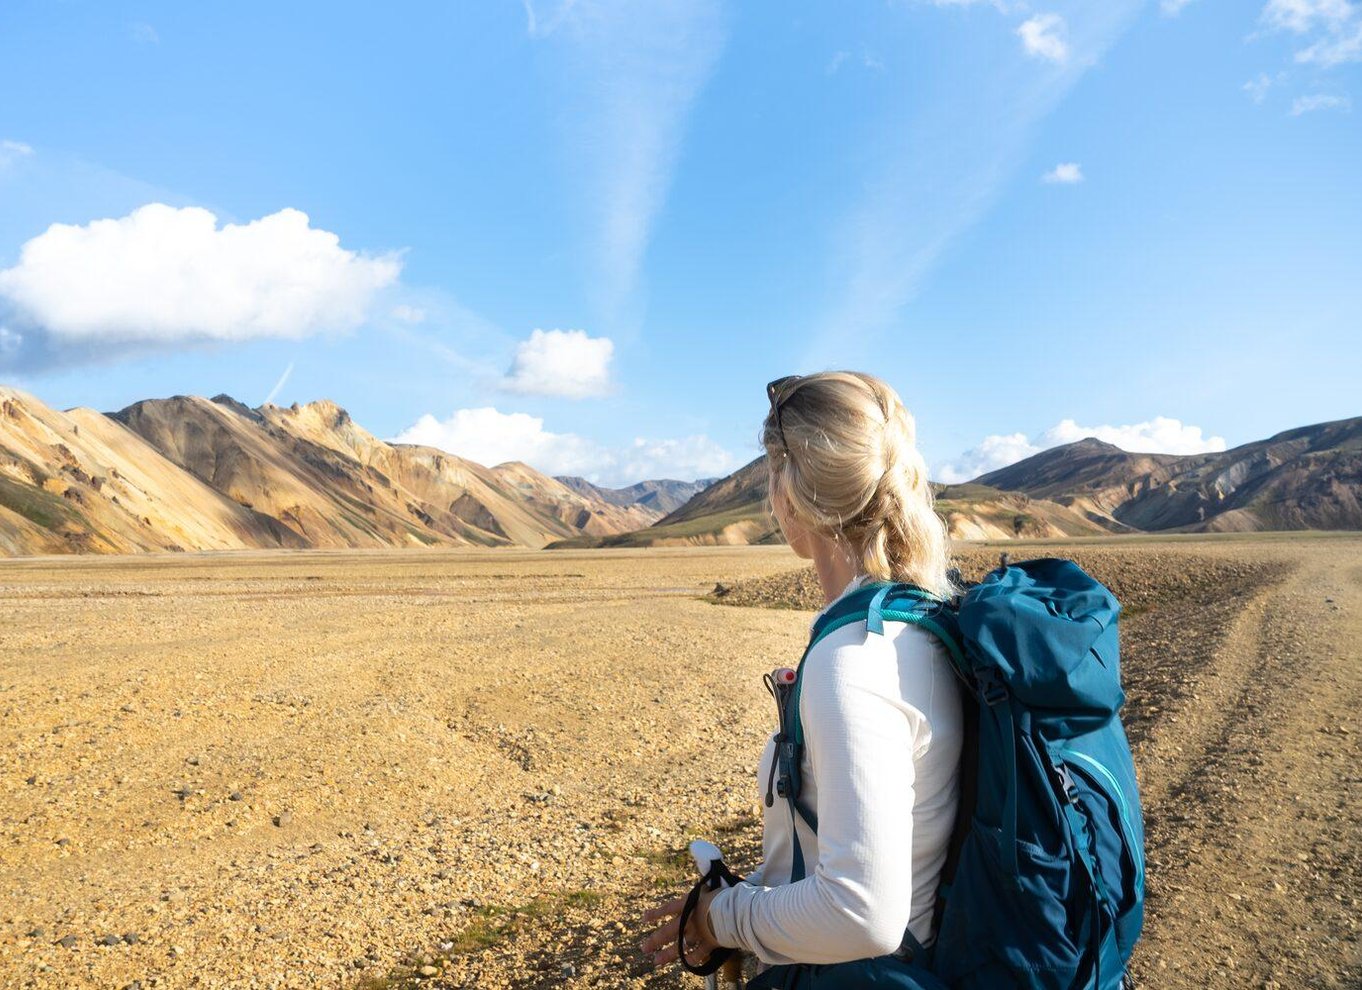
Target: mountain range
(1305, 478)
(189, 473)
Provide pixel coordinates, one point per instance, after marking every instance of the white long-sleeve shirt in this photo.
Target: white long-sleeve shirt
(882, 731)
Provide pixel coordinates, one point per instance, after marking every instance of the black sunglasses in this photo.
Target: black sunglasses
(778, 391)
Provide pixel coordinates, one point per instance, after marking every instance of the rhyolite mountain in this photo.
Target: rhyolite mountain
(1306, 478)
(665, 494)
(189, 473)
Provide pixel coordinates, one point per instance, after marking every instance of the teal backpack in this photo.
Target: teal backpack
(1043, 886)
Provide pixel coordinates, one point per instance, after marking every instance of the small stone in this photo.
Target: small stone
(569, 971)
(234, 796)
(109, 940)
(130, 938)
(426, 972)
(283, 818)
(63, 842)
(134, 985)
(176, 951)
(127, 708)
(35, 932)
(67, 941)
(193, 761)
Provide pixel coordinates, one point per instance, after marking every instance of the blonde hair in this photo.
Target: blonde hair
(852, 472)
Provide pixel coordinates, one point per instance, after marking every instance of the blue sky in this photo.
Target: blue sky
(585, 234)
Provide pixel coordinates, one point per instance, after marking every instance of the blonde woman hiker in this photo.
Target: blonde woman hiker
(881, 713)
(950, 797)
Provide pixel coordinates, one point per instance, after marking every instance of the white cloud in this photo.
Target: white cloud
(1319, 101)
(1160, 435)
(1335, 49)
(1257, 88)
(1302, 16)
(633, 72)
(409, 314)
(1334, 28)
(1043, 37)
(1002, 6)
(564, 363)
(144, 34)
(489, 436)
(868, 60)
(1171, 8)
(10, 341)
(163, 275)
(1065, 173)
(12, 151)
(992, 453)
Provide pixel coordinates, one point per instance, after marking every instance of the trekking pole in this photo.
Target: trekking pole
(707, 857)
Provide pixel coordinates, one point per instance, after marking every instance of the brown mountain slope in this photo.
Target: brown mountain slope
(78, 481)
(481, 507)
(584, 514)
(734, 510)
(977, 512)
(663, 495)
(327, 497)
(1306, 478)
(193, 473)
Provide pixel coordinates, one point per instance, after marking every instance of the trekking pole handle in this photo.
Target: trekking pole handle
(705, 854)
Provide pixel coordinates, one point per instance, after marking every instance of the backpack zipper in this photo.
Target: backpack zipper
(1126, 826)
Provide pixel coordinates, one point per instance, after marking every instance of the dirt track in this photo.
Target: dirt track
(493, 758)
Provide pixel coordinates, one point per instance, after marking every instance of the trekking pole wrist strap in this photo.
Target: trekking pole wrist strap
(719, 875)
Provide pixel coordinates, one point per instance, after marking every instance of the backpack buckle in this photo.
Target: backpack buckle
(1066, 781)
(991, 687)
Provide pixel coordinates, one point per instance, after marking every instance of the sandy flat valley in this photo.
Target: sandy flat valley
(366, 769)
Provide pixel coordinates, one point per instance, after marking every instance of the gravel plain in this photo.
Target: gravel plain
(367, 769)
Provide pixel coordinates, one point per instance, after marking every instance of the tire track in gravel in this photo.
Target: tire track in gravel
(1255, 872)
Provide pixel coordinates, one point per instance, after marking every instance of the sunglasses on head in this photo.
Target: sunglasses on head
(778, 391)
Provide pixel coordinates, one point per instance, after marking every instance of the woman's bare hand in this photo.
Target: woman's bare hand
(661, 944)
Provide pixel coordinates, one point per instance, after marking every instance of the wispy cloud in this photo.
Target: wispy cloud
(1044, 37)
(1319, 101)
(1171, 8)
(631, 73)
(868, 60)
(1004, 6)
(938, 176)
(13, 151)
(144, 34)
(279, 384)
(1257, 88)
(1065, 173)
(1332, 28)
